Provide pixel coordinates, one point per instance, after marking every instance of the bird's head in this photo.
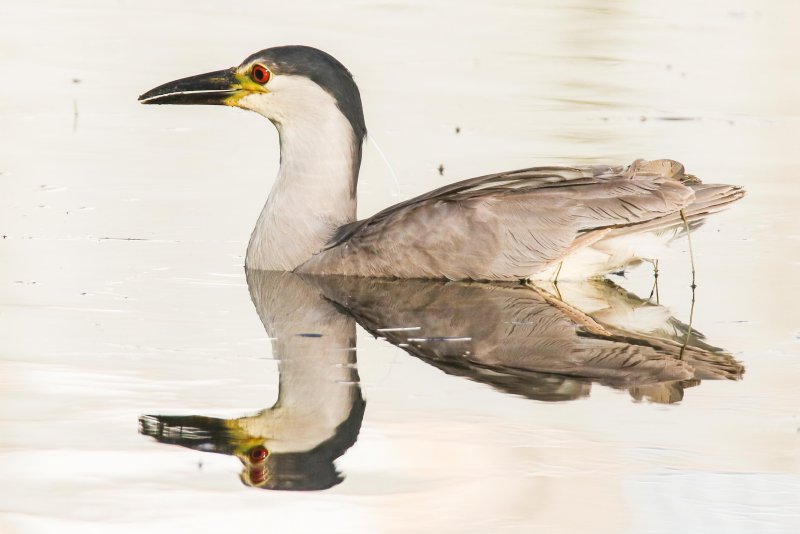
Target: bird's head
(262, 467)
(276, 452)
(286, 84)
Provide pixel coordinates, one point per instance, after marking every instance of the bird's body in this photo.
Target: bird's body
(522, 225)
(581, 221)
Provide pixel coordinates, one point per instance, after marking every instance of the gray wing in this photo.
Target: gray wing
(509, 336)
(504, 226)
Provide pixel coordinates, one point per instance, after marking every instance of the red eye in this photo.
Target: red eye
(258, 454)
(260, 74)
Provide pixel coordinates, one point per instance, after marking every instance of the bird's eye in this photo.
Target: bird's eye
(260, 74)
(258, 454)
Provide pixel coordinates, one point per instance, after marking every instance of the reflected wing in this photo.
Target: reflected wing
(504, 226)
(508, 335)
(625, 315)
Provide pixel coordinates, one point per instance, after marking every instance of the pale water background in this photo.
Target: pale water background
(97, 329)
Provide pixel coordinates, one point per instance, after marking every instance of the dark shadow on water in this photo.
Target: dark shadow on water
(541, 343)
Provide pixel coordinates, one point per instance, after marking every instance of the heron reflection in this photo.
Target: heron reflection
(520, 339)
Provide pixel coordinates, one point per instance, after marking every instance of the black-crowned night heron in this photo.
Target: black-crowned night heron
(579, 221)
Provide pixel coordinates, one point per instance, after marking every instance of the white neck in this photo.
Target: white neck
(314, 193)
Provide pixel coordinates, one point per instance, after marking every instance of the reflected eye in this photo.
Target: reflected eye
(258, 454)
(260, 74)
(257, 476)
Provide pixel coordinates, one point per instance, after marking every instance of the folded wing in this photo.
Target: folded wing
(506, 226)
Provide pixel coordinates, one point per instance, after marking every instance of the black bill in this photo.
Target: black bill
(208, 434)
(209, 88)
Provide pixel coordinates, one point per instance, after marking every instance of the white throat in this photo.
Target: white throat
(314, 192)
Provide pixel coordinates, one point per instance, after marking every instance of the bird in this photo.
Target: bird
(538, 223)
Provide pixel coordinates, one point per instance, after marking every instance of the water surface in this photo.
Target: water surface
(122, 292)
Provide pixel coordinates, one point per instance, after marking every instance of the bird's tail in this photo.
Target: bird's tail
(709, 199)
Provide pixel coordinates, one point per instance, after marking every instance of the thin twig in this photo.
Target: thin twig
(655, 282)
(558, 271)
(689, 330)
(691, 252)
